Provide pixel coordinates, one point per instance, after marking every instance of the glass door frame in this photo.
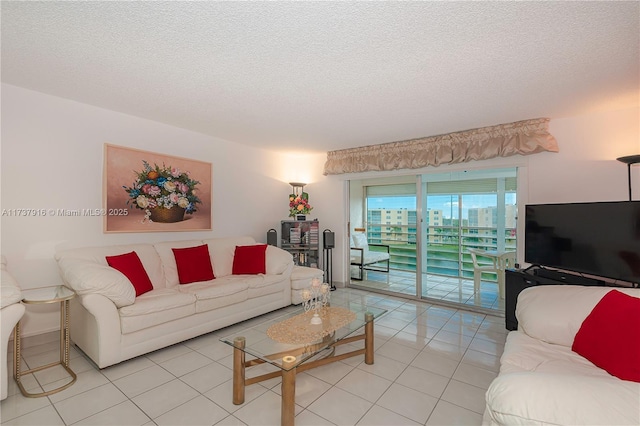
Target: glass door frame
(521, 198)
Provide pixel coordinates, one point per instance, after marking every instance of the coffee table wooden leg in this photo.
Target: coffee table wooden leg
(368, 339)
(288, 391)
(238, 370)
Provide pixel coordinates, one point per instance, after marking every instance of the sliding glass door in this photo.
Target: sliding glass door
(385, 211)
(429, 232)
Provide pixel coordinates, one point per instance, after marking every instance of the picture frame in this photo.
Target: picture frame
(146, 191)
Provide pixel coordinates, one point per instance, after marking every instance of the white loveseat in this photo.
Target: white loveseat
(11, 312)
(110, 325)
(542, 381)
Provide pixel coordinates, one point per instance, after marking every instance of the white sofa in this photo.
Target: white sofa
(10, 313)
(542, 381)
(110, 329)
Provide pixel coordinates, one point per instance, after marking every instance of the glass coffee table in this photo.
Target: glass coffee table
(293, 344)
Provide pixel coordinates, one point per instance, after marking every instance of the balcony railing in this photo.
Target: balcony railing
(446, 247)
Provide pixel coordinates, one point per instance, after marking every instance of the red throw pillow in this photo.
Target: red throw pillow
(194, 264)
(131, 266)
(610, 336)
(250, 260)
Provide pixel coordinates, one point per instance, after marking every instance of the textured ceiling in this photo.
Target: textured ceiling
(328, 75)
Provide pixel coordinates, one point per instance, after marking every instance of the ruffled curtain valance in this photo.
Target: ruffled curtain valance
(522, 137)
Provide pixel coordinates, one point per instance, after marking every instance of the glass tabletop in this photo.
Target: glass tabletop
(293, 334)
(58, 293)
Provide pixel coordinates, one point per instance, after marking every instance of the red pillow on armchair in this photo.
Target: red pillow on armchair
(609, 336)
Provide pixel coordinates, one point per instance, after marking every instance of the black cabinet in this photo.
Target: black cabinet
(517, 280)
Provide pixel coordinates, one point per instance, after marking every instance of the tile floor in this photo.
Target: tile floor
(437, 287)
(432, 366)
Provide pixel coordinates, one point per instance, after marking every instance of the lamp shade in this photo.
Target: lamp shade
(297, 187)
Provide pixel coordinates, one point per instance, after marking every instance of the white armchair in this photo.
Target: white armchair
(10, 313)
(363, 258)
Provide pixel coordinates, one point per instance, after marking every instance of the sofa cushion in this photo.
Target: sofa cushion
(131, 266)
(523, 353)
(221, 292)
(610, 336)
(156, 307)
(222, 251)
(268, 284)
(87, 277)
(193, 264)
(562, 399)
(250, 260)
(220, 287)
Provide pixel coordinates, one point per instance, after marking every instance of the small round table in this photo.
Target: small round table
(38, 296)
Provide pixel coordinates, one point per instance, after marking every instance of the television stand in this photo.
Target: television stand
(517, 280)
(565, 277)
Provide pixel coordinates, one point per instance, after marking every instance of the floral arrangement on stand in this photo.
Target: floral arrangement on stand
(164, 193)
(299, 204)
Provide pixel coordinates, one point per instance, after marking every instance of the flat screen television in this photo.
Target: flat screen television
(601, 239)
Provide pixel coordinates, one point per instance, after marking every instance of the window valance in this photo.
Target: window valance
(522, 137)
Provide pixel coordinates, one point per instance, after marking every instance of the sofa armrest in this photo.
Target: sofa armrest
(278, 261)
(10, 292)
(554, 313)
(86, 277)
(95, 328)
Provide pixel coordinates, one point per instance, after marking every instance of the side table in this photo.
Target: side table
(38, 296)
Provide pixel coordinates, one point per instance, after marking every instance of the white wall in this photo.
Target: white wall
(51, 157)
(586, 169)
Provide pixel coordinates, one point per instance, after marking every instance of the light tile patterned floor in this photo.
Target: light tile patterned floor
(432, 366)
(437, 287)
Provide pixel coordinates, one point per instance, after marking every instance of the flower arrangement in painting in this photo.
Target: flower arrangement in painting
(299, 204)
(158, 189)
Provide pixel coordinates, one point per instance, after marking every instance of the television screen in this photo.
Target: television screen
(601, 239)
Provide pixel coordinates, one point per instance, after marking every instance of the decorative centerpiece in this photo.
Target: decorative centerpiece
(164, 193)
(299, 205)
(315, 298)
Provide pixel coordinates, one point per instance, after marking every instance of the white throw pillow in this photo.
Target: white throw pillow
(360, 240)
(86, 277)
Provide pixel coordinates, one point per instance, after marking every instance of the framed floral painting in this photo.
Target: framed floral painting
(151, 192)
